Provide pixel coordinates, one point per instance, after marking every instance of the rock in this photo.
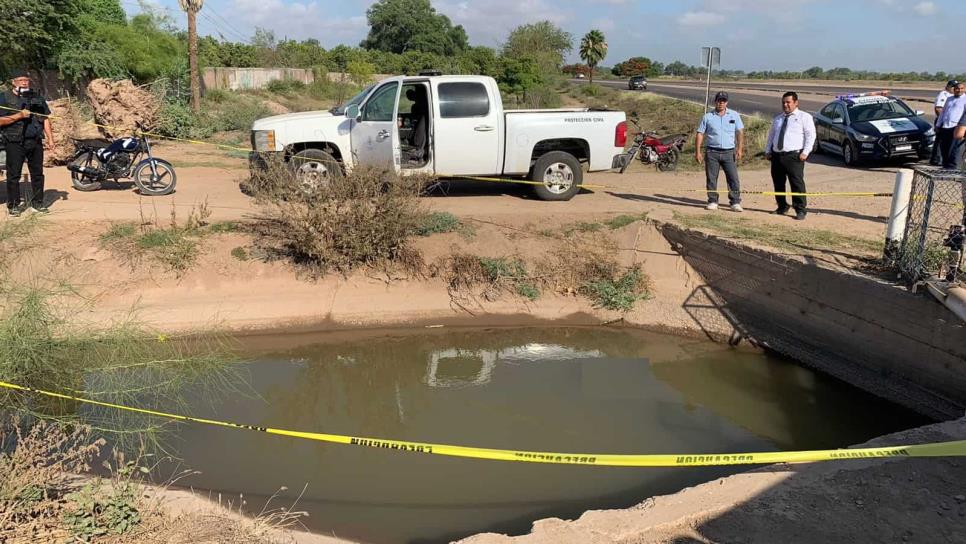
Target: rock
(960, 498)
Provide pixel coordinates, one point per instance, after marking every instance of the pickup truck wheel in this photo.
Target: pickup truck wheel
(314, 169)
(560, 175)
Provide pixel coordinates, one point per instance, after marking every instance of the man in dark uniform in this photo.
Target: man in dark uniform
(27, 133)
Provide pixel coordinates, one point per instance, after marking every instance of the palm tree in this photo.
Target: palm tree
(593, 49)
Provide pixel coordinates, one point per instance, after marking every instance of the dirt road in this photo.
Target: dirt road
(214, 176)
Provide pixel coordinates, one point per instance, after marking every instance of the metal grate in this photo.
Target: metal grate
(936, 206)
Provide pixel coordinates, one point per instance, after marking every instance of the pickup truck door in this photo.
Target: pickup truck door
(467, 128)
(374, 138)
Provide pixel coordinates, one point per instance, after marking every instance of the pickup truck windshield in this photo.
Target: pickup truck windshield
(355, 100)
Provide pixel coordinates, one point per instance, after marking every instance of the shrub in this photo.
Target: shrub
(176, 120)
(363, 219)
(438, 223)
(285, 86)
(618, 293)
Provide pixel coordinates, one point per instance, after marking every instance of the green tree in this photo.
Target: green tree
(360, 72)
(593, 49)
(399, 26)
(521, 76)
(35, 31)
(543, 42)
(480, 61)
(634, 66)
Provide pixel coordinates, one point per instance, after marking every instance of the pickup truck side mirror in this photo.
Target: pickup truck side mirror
(920, 112)
(838, 121)
(353, 112)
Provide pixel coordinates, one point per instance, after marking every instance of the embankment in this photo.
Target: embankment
(863, 330)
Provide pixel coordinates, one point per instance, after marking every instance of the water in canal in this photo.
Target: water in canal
(570, 390)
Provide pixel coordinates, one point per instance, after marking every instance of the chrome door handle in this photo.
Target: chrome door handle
(484, 128)
(383, 134)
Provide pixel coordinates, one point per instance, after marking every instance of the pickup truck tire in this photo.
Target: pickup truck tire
(314, 169)
(560, 174)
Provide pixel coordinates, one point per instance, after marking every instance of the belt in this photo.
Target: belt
(720, 148)
(797, 152)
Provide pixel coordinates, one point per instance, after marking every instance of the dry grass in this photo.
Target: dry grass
(48, 495)
(365, 219)
(588, 268)
(175, 246)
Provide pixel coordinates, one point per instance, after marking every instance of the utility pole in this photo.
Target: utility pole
(192, 7)
(711, 57)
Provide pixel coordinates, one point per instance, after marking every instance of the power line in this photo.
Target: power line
(228, 24)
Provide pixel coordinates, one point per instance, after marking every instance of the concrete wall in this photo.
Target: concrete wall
(875, 335)
(236, 79)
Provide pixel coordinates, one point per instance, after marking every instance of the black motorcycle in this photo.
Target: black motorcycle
(96, 161)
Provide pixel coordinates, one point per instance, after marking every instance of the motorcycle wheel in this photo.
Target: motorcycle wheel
(149, 184)
(83, 183)
(668, 162)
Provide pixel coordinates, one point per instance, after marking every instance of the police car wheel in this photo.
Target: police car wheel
(848, 154)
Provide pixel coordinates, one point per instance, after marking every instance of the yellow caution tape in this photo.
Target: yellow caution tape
(491, 179)
(939, 449)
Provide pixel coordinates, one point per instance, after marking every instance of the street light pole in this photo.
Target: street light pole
(712, 56)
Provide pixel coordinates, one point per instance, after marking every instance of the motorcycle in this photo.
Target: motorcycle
(650, 149)
(98, 160)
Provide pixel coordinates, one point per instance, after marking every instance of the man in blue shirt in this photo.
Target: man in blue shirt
(723, 133)
(950, 149)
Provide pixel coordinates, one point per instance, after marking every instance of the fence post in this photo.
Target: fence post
(896, 228)
(930, 190)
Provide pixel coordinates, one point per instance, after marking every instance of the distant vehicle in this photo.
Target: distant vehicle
(872, 126)
(637, 83)
(581, 76)
(444, 126)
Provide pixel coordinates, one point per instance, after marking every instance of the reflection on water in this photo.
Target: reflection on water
(570, 390)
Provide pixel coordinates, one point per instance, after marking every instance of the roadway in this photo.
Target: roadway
(765, 99)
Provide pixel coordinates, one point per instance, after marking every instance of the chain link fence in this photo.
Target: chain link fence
(933, 241)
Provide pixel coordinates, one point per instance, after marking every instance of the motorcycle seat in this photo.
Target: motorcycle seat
(668, 140)
(90, 143)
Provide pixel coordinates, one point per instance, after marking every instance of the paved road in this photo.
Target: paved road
(747, 101)
(915, 94)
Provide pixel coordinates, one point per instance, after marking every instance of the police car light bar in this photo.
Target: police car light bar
(860, 95)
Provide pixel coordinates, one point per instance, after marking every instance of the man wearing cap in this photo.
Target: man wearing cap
(722, 133)
(946, 124)
(790, 141)
(936, 158)
(26, 129)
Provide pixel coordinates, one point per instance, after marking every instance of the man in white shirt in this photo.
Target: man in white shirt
(936, 158)
(790, 141)
(946, 125)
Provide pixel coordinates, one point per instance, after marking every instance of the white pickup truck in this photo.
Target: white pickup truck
(446, 126)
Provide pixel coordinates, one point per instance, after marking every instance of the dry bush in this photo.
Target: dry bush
(122, 106)
(38, 465)
(365, 219)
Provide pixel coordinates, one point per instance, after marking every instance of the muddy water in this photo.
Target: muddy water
(575, 390)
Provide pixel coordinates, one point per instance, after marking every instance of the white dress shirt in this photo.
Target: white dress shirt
(799, 135)
(941, 98)
(952, 112)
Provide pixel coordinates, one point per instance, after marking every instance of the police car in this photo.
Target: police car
(872, 126)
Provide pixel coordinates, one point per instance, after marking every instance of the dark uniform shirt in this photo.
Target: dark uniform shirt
(31, 128)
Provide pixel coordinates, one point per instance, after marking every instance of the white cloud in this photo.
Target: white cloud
(925, 8)
(489, 23)
(300, 20)
(701, 18)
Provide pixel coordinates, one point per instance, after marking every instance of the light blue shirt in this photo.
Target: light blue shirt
(720, 130)
(952, 112)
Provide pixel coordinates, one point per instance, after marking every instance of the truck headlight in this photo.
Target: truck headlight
(263, 140)
(931, 132)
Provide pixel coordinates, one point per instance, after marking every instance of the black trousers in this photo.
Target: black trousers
(31, 152)
(944, 139)
(788, 167)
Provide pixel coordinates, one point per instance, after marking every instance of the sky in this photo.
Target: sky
(881, 35)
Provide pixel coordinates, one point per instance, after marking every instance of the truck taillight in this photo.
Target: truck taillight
(620, 135)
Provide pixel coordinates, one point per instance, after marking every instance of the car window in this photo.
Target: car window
(354, 101)
(879, 110)
(463, 99)
(381, 106)
(838, 112)
(828, 111)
